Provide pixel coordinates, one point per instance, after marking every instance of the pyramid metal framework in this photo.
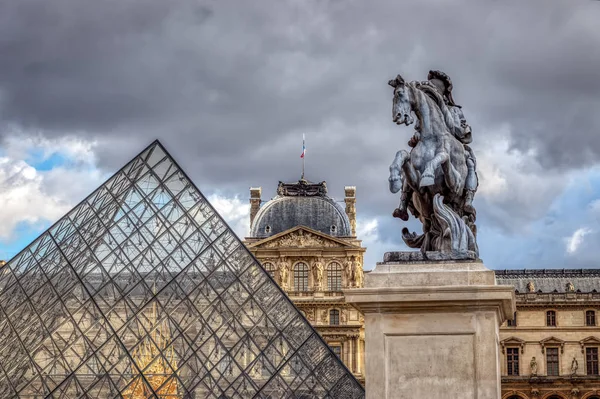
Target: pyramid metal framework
(143, 291)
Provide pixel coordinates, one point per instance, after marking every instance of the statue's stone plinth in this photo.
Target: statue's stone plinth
(431, 329)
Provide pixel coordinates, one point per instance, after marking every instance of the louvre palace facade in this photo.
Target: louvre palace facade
(550, 349)
(143, 291)
(307, 242)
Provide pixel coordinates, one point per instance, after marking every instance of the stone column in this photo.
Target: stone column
(431, 328)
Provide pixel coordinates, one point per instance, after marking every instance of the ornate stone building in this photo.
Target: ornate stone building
(550, 350)
(308, 243)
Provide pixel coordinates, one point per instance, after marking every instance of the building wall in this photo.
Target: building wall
(570, 336)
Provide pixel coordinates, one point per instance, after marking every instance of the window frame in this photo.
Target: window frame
(590, 321)
(330, 276)
(300, 275)
(551, 316)
(334, 315)
(550, 351)
(337, 347)
(513, 361)
(270, 268)
(594, 363)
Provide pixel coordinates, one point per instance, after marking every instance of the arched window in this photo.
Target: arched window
(551, 318)
(270, 268)
(334, 317)
(301, 277)
(334, 276)
(590, 318)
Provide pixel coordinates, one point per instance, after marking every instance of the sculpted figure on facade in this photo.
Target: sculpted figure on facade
(283, 272)
(310, 315)
(533, 366)
(574, 366)
(318, 273)
(570, 287)
(356, 273)
(530, 286)
(348, 271)
(438, 178)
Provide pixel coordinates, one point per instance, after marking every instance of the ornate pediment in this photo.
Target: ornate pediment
(513, 341)
(300, 238)
(589, 341)
(552, 342)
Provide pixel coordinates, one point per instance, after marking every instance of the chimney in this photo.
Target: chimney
(350, 200)
(254, 202)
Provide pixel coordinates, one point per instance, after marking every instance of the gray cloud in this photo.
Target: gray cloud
(230, 87)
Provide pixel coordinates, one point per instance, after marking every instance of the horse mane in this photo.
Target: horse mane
(430, 90)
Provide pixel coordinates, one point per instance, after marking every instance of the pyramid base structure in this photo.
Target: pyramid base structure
(431, 329)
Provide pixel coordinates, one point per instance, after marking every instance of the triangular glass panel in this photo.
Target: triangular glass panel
(143, 291)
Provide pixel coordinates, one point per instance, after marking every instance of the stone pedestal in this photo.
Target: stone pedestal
(431, 329)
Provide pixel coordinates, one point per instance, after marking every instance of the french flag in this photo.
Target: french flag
(303, 148)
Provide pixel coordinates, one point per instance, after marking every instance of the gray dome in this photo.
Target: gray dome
(301, 204)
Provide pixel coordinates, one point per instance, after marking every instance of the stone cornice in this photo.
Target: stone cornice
(542, 379)
(314, 239)
(439, 299)
(545, 273)
(557, 300)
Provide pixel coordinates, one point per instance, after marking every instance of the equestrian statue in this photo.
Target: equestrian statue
(437, 178)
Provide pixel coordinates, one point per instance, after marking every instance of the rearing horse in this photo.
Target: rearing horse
(436, 165)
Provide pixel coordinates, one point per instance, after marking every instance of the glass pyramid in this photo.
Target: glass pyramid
(143, 291)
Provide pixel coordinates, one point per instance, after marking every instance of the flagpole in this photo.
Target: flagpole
(303, 155)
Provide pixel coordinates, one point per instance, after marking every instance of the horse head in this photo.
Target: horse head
(401, 107)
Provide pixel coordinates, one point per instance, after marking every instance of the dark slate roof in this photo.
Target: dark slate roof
(301, 204)
(551, 280)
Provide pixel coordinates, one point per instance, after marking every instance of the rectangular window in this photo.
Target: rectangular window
(334, 277)
(551, 318)
(337, 349)
(552, 361)
(590, 318)
(301, 277)
(591, 360)
(512, 358)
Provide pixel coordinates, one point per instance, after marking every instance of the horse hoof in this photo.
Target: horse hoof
(426, 181)
(401, 214)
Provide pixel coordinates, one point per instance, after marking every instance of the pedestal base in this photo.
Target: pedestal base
(431, 329)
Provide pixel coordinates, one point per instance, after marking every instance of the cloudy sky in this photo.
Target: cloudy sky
(229, 87)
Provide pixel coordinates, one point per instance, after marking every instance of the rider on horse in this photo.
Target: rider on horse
(461, 130)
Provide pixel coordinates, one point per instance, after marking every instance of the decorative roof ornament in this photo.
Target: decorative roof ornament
(531, 286)
(302, 188)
